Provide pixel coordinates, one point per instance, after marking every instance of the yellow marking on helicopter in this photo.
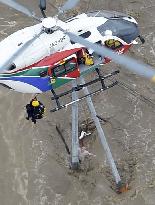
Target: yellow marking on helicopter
(53, 80)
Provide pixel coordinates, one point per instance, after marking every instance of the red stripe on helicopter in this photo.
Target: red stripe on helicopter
(52, 59)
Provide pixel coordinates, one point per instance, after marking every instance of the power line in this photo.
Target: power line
(136, 94)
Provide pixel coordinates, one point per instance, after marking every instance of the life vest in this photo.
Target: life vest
(88, 59)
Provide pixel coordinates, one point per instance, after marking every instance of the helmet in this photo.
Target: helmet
(108, 33)
(35, 103)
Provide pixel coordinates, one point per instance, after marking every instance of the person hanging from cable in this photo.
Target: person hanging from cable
(35, 110)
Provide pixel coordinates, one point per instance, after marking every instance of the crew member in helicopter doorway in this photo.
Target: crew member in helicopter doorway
(35, 110)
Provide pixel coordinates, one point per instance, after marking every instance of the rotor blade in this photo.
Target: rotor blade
(19, 7)
(69, 5)
(129, 63)
(42, 4)
(21, 49)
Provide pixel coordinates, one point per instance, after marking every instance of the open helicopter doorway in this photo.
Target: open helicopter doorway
(69, 68)
(63, 71)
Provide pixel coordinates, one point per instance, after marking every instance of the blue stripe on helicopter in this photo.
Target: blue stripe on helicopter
(42, 84)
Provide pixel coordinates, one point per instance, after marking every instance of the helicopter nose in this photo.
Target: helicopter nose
(121, 25)
(127, 30)
(123, 28)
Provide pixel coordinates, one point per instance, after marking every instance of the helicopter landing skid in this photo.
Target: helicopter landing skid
(81, 86)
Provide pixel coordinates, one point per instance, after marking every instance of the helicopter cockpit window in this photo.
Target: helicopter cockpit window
(125, 30)
(113, 44)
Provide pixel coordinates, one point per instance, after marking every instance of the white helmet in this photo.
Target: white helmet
(108, 33)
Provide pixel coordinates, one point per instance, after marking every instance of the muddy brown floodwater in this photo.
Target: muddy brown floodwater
(33, 160)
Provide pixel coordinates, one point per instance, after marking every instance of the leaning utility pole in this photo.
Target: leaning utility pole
(102, 136)
(75, 139)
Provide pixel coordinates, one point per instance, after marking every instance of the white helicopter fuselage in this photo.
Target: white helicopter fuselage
(44, 45)
(30, 51)
(47, 44)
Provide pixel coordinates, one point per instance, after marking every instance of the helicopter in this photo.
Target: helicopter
(49, 54)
